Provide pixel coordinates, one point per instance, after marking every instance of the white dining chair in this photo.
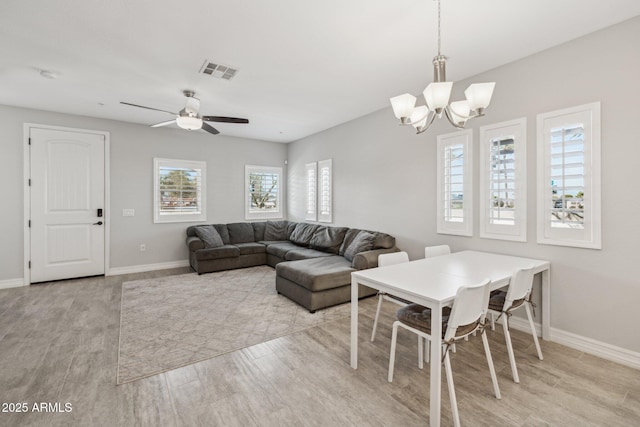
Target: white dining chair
(503, 303)
(466, 316)
(431, 251)
(386, 260)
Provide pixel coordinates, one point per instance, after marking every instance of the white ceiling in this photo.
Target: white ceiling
(305, 66)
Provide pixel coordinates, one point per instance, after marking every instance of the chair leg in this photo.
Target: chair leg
(452, 390)
(533, 331)
(492, 370)
(392, 354)
(420, 353)
(493, 321)
(512, 359)
(427, 350)
(375, 321)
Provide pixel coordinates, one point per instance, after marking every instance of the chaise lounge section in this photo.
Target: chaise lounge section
(313, 262)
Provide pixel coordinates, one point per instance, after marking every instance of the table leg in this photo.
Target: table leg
(354, 323)
(546, 304)
(436, 367)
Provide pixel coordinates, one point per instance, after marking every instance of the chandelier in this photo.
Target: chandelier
(437, 94)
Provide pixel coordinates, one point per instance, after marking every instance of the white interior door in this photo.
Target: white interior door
(67, 237)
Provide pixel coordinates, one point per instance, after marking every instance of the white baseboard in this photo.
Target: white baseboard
(588, 345)
(597, 348)
(147, 267)
(12, 283)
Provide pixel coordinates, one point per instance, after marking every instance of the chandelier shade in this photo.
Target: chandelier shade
(437, 96)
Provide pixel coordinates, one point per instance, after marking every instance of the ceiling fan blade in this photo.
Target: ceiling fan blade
(148, 108)
(224, 119)
(157, 125)
(209, 128)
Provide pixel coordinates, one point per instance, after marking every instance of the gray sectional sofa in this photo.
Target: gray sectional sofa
(313, 262)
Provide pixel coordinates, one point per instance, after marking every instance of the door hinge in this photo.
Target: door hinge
(29, 140)
(29, 182)
(29, 223)
(29, 264)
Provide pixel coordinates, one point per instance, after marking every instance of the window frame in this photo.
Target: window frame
(312, 191)
(325, 193)
(590, 235)
(160, 217)
(516, 129)
(444, 226)
(250, 213)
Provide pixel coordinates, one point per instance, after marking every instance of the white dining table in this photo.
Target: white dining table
(433, 283)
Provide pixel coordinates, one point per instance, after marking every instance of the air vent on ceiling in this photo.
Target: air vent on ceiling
(219, 71)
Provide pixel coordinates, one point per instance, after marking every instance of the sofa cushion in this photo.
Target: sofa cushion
(362, 242)
(258, 230)
(251, 248)
(209, 235)
(241, 232)
(303, 233)
(317, 274)
(328, 239)
(275, 230)
(383, 240)
(281, 249)
(348, 238)
(290, 227)
(226, 251)
(304, 253)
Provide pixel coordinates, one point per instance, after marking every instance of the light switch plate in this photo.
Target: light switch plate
(128, 212)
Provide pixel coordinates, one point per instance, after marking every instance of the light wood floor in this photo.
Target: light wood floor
(59, 343)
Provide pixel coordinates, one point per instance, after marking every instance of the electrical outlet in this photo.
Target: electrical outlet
(143, 247)
(128, 212)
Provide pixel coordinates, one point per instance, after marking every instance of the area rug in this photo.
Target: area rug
(173, 321)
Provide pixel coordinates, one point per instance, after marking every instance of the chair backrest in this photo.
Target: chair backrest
(431, 251)
(469, 308)
(519, 286)
(392, 258)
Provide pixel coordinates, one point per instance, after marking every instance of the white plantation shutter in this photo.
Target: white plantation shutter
(569, 177)
(503, 209)
(179, 194)
(263, 188)
(325, 191)
(312, 197)
(455, 207)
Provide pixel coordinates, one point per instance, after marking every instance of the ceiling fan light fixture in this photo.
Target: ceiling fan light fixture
(189, 122)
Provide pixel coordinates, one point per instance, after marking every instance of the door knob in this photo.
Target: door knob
(97, 223)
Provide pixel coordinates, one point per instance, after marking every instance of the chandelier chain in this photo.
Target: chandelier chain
(439, 54)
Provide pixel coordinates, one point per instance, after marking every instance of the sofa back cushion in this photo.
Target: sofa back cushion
(382, 240)
(290, 227)
(362, 242)
(276, 231)
(220, 228)
(258, 230)
(328, 239)
(241, 232)
(209, 235)
(303, 233)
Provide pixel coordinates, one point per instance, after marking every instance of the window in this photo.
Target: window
(263, 186)
(503, 181)
(455, 207)
(325, 192)
(312, 198)
(569, 177)
(179, 190)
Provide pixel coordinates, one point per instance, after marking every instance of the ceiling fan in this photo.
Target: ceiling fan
(189, 117)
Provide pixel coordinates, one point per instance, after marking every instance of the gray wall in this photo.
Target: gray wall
(385, 179)
(133, 148)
